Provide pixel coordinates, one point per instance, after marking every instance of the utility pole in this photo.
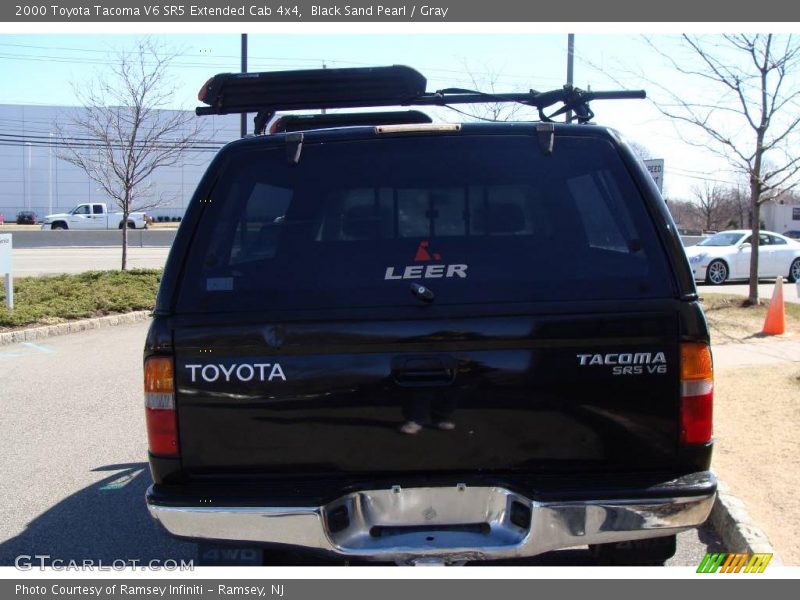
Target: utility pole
(244, 70)
(570, 68)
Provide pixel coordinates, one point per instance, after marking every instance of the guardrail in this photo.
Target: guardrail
(691, 240)
(141, 238)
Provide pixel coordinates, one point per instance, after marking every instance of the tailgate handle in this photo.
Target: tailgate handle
(418, 371)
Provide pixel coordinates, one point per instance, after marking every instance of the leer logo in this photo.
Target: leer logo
(734, 563)
(426, 271)
(423, 255)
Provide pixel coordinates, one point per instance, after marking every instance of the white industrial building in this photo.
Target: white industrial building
(781, 216)
(32, 177)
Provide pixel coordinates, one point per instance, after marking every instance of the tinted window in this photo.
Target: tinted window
(723, 239)
(763, 239)
(476, 218)
(776, 241)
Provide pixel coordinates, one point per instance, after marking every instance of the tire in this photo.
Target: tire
(62, 226)
(794, 271)
(131, 225)
(638, 553)
(717, 272)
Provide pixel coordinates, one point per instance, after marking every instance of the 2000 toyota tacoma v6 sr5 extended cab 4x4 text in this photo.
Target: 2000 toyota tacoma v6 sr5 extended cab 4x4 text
(427, 342)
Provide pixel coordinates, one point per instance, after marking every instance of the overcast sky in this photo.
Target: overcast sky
(40, 69)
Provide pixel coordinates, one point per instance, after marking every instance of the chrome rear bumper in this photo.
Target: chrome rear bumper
(450, 524)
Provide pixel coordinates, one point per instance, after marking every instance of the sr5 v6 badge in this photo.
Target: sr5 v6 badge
(627, 363)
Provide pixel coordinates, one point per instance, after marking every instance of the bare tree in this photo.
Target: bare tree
(123, 133)
(753, 121)
(488, 82)
(710, 203)
(684, 214)
(737, 201)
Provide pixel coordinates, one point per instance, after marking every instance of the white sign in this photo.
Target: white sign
(5, 253)
(5, 267)
(656, 168)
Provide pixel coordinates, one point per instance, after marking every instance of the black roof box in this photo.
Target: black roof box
(311, 88)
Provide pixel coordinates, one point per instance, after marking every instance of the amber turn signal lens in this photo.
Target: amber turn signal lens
(696, 362)
(159, 377)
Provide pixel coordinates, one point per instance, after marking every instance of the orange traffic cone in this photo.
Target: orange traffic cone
(775, 323)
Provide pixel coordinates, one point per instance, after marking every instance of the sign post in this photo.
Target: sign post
(5, 268)
(656, 168)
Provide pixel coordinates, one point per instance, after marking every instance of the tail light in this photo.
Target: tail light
(159, 402)
(697, 393)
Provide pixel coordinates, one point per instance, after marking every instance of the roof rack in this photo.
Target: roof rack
(270, 92)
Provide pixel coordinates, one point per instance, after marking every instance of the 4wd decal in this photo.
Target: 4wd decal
(627, 363)
(424, 254)
(243, 372)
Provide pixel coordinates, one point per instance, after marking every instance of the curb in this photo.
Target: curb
(37, 333)
(738, 532)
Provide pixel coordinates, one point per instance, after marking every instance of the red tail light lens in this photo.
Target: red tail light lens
(697, 394)
(159, 401)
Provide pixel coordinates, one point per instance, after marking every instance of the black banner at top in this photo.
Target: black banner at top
(399, 11)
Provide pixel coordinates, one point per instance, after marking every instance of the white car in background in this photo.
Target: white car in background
(725, 256)
(93, 215)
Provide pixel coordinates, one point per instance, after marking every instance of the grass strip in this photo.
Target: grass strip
(55, 299)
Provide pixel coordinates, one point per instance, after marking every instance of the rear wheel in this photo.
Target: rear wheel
(650, 552)
(717, 272)
(794, 271)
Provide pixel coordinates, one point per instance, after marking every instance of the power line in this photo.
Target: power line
(235, 58)
(47, 138)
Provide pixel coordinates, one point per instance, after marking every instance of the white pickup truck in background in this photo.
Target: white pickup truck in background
(93, 215)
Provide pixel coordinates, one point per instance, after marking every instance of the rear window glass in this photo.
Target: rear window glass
(473, 218)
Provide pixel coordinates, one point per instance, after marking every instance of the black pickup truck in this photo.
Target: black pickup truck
(430, 342)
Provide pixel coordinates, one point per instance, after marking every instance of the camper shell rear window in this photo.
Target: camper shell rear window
(475, 218)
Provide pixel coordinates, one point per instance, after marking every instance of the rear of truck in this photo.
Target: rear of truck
(429, 343)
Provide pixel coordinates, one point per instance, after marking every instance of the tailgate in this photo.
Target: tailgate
(525, 393)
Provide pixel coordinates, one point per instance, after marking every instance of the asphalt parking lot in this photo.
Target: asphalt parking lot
(30, 262)
(75, 471)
